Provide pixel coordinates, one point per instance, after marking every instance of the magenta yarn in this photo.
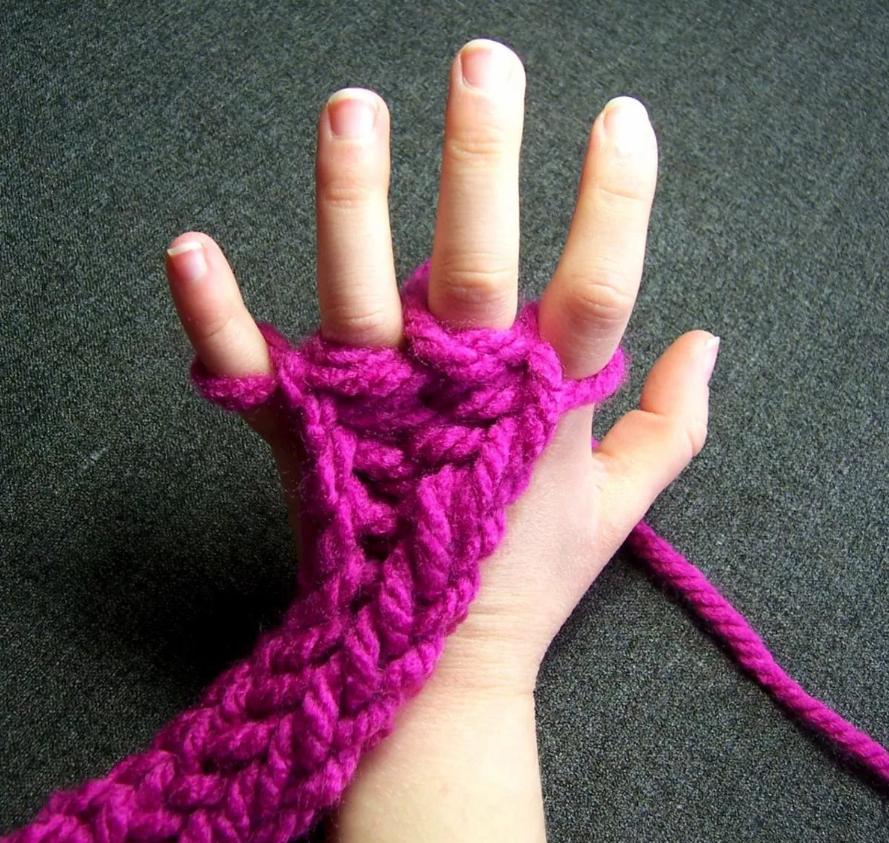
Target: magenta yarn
(668, 566)
(412, 459)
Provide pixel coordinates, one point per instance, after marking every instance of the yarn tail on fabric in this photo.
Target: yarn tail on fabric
(413, 456)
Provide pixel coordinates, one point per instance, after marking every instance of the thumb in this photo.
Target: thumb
(648, 448)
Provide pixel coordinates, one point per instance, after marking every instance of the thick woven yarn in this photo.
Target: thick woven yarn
(413, 456)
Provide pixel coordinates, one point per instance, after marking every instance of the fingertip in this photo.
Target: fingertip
(180, 246)
(677, 388)
(473, 63)
(678, 374)
(185, 259)
(190, 240)
(187, 237)
(626, 101)
(193, 256)
(354, 115)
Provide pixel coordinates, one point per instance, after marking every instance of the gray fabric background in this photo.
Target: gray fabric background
(144, 541)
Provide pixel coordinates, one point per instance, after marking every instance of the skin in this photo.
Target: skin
(462, 761)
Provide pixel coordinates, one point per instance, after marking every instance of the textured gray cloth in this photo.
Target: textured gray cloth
(144, 540)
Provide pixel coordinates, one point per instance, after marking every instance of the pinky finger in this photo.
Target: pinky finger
(648, 448)
(211, 310)
(221, 330)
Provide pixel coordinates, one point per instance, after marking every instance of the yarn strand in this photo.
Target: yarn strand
(669, 567)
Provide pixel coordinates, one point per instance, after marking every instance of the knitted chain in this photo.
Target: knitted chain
(412, 457)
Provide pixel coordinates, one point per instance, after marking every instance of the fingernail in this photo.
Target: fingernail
(352, 112)
(485, 65)
(711, 351)
(189, 260)
(626, 124)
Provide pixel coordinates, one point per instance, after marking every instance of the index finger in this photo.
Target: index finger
(586, 307)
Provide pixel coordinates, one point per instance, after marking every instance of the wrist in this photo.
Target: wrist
(486, 657)
(457, 755)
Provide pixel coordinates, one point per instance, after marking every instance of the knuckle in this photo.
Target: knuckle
(213, 329)
(474, 282)
(602, 297)
(623, 191)
(692, 433)
(359, 325)
(478, 146)
(345, 194)
(626, 186)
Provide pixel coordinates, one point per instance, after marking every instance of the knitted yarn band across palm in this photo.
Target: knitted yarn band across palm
(412, 457)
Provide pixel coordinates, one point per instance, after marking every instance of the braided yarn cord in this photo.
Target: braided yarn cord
(412, 457)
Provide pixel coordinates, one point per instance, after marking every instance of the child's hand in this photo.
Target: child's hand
(581, 503)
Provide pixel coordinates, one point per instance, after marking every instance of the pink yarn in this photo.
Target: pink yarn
(667, 565)
(413, 457)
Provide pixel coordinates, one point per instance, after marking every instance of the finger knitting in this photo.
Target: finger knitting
(412, 457)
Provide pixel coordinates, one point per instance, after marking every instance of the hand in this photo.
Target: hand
(581, 503)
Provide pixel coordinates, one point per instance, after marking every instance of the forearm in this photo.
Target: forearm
(458, 766)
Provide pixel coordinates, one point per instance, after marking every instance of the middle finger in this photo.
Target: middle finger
(475, 254)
